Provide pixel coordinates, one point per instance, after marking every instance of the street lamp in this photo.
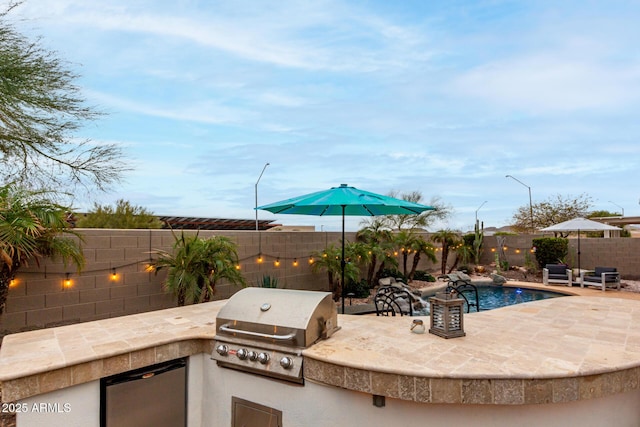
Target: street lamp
(530, 203)
(479, 209)
(617, 206)
(256, 188)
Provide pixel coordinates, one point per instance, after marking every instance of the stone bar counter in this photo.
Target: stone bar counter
(555, 350)
(548, 353)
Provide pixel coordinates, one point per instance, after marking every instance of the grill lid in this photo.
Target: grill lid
(283, 316)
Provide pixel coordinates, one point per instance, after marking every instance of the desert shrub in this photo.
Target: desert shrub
(550, 250)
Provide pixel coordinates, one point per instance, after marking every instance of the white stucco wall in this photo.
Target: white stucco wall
(315, 405)
(195, 384)
(210, 390)
(77, 406)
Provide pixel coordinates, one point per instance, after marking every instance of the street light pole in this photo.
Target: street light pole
(479, 209)
(530, 203)
(256, 192)
(617, 206)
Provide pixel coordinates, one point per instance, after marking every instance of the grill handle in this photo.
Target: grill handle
(227, 329)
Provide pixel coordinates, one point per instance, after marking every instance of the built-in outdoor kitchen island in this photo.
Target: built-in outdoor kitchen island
(552, 362)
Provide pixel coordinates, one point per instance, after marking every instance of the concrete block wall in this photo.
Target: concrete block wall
(39, 298)
(621, 252)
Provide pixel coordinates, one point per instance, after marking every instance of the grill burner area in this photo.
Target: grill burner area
(264, 330)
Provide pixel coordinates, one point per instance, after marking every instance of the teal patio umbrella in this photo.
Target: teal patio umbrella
(343, 201)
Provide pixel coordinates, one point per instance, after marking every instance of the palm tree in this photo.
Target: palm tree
(421, 246)
(330, 260)
(448, 239)
(406, 240)
(31, 228)
(197, 265)
(377, 239)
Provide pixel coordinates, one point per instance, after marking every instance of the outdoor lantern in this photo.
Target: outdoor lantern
(446, 315)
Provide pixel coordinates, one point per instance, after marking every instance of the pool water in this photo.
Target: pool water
(498, 296)
(492, 297)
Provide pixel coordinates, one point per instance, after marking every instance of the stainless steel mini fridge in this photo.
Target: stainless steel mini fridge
(155, 396)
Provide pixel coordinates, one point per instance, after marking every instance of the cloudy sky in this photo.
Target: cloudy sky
(441, 97)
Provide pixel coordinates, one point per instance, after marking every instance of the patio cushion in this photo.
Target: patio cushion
(600, 270)
(557, 270)
(596, 276)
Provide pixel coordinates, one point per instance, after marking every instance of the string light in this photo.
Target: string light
(259, 260)
(311, 260)
(67, 281)
(295, 262)
(237, 266)
(277, 262)
(114, 275)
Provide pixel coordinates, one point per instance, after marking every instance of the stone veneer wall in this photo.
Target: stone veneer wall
(38, 297)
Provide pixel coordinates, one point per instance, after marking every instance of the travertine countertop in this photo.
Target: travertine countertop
(568, 342)
(557, 337)
(44, 350)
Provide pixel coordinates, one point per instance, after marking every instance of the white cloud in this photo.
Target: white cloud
(542, 83)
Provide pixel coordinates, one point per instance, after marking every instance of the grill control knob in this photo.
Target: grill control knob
(263, 358)
(242, 353)
(222, 349)
(286, 362)
(253, 356)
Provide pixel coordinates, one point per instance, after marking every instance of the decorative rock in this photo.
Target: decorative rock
(498, 279)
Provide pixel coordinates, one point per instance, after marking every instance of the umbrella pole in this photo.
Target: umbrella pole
(578, 251)
(342, 262)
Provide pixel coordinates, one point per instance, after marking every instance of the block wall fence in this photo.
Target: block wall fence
(39, 297)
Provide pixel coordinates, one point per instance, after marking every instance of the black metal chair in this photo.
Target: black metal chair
(465, 291)
(391, 300)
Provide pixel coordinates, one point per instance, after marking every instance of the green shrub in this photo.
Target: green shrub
(468, 239)
(268, 282)
(395, 273)
(550, 250)
(358, 289)
(466, 269)
(423, 276)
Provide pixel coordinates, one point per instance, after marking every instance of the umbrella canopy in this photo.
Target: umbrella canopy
(580, 224)
(345, 201)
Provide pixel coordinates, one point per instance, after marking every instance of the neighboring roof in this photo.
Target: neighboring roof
(620, 221)
(195, 223)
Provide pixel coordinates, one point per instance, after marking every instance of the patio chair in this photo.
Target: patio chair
(603, 277)
(557, 274)
(391, 300)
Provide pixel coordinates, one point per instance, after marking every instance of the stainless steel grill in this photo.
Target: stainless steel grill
(263, 330)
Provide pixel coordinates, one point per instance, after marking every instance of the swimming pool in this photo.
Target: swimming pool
(492, 297)
(501, 296)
